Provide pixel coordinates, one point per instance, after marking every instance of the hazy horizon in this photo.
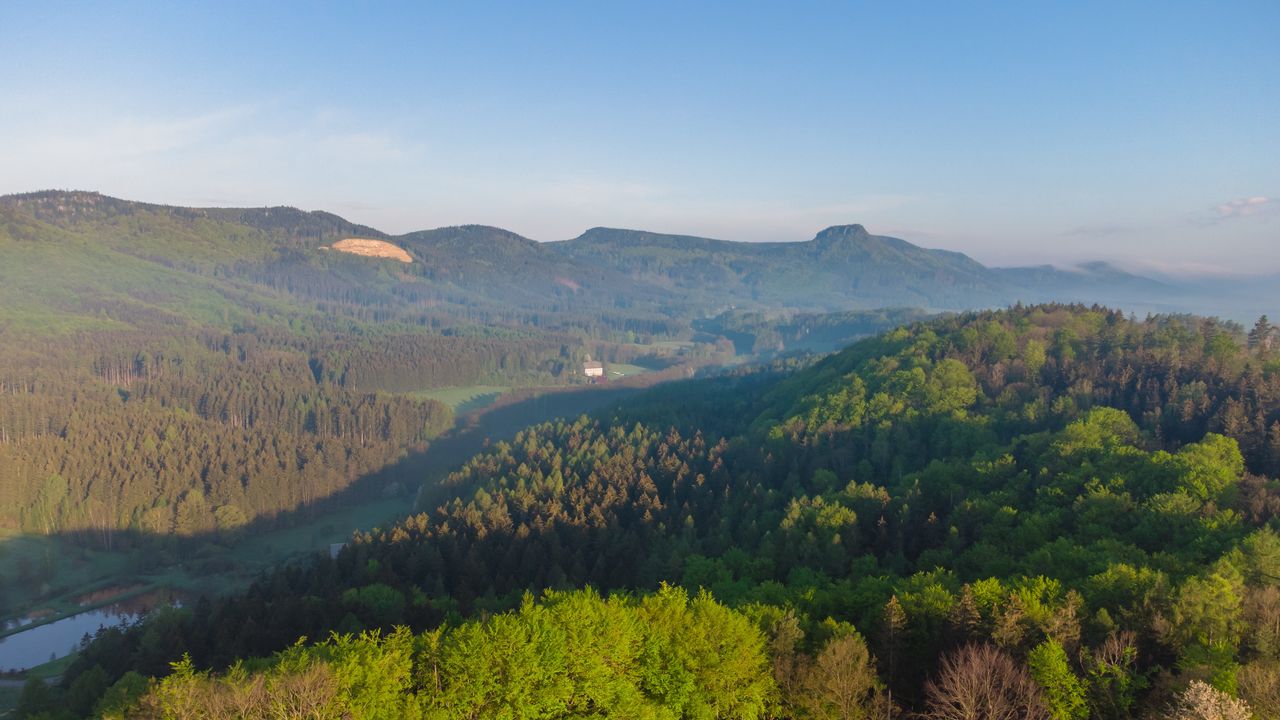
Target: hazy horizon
(1016, 135)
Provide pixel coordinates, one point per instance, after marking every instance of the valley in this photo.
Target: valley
(819, 450)
(70, 576)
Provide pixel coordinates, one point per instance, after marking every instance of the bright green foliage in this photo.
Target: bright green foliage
(1208, 610)
(1100, 429)
(570, 654)
(1208, 625)
(1209, 467)
(1064, 694)
(949, 389)
(1034, 357)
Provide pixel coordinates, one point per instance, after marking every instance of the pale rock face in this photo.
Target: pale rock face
(372, 248)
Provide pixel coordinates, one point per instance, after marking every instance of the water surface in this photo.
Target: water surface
(38, 645)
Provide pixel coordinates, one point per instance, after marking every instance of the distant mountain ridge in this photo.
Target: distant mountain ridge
(841, 268)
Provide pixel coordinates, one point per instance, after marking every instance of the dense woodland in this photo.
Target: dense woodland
(108, 433)
(1047, 512)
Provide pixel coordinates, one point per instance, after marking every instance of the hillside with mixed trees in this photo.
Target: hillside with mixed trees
(125, 262)
(183, 371)
(1044, 512)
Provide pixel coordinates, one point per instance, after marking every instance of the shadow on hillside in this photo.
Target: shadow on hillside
(38, 565)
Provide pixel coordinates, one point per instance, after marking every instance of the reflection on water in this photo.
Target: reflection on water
(39, 645)
(8, 625)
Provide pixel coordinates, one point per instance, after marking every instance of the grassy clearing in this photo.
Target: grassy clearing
(242, 562)
(49, 573)
(466, 398)
(269, 549)
(52, 669)
(671, 345)
(617, 370)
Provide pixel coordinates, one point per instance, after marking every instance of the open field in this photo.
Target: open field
(47, 575)
(671, 344)
(617, 370)
(261, 551)
(465, 399)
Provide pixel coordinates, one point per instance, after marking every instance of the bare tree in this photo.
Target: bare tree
(309, 694)
(1260, 685)
(980, 682)
(1262, 618)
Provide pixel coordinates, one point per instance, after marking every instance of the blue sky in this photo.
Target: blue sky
(1145, 133)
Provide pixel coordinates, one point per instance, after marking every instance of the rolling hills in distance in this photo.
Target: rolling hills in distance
(270, 255)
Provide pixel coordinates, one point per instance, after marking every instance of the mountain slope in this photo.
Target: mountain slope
(1090, 281)
(606, 278)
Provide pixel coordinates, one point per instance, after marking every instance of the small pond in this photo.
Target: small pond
(40, 644)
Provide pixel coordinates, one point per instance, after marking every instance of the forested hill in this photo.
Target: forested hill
(1073, 507)
(841, 267)
(270, 262)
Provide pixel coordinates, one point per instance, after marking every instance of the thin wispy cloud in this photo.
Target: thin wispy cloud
(1235, 211)
(1183, 268)
(1245, 207)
